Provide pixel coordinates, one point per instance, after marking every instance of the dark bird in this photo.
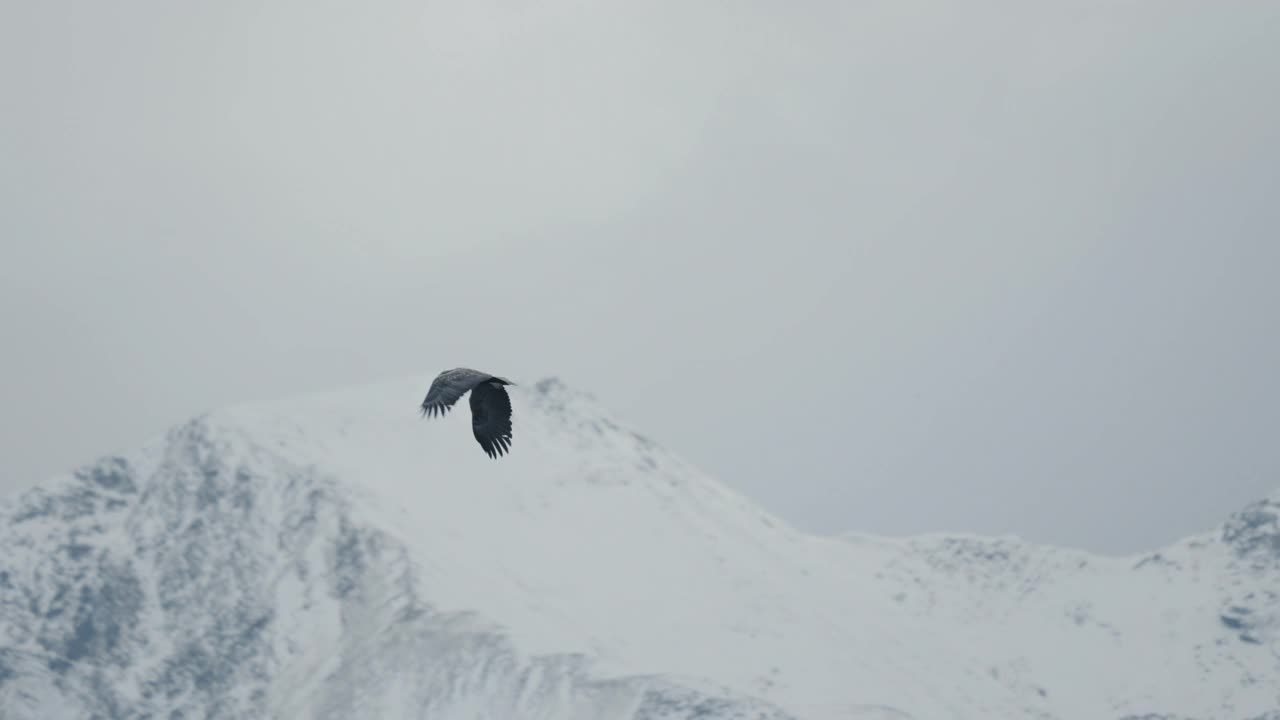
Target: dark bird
(490, 406)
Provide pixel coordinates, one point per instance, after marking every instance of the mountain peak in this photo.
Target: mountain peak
(1254, 532)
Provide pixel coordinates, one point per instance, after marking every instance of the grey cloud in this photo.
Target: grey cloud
(887, 266)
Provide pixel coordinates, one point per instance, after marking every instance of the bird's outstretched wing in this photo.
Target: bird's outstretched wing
(448, 387)
(491, 418)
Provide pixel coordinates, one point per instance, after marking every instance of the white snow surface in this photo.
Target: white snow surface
(338, 556)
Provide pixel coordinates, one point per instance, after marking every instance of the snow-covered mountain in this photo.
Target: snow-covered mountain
(337, 556)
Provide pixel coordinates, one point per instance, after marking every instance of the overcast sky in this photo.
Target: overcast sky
(999, 267)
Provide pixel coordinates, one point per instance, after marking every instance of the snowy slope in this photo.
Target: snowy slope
(336, 556)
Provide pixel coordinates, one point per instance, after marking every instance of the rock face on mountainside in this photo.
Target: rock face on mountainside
(335, 556)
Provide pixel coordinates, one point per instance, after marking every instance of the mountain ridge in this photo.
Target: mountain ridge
(331, 553)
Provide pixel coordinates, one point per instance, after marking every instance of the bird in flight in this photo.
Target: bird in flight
(490, 406)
